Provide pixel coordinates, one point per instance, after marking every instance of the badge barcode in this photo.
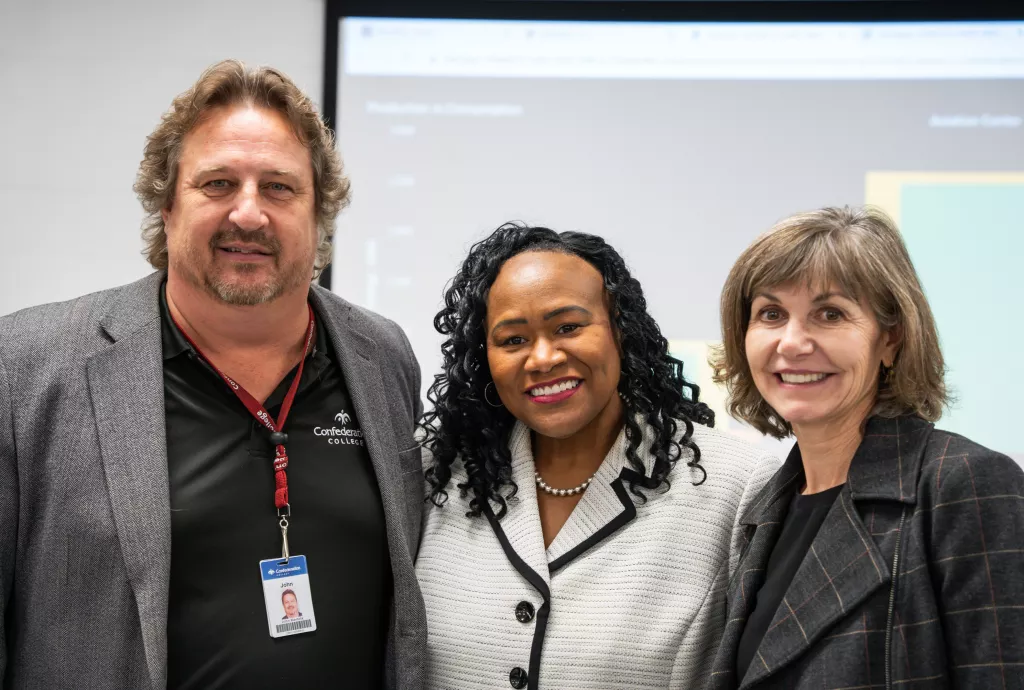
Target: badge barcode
(293, 625)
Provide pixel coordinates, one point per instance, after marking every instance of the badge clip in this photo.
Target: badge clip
(284, 514)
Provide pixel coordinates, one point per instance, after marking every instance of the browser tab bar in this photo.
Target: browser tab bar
(628, 50)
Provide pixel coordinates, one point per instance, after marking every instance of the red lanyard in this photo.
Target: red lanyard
(259, 412)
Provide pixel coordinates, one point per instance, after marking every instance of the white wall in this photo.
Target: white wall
(81, 86)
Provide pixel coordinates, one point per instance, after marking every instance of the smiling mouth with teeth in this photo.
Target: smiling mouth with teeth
(555, 389)
(802, 378)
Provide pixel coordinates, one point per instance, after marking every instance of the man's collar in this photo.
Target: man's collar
(322, 344)
(173, 340)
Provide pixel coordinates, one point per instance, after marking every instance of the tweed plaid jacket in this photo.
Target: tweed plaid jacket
(943, 513)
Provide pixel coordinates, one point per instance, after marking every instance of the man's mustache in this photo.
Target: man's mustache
(266, 242)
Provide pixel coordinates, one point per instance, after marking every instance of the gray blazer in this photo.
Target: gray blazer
(85, 530)
(913, 581)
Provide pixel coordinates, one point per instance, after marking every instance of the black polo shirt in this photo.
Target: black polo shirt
(223, 523)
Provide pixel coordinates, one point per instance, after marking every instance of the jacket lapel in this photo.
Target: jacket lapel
(360, 366)
(762, 522)
(844, 565)
(605, 507)
(519, 531)
(888, 462)
(126, 388)
(842, 568)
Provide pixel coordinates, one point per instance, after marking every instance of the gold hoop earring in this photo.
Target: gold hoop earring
(488, 400)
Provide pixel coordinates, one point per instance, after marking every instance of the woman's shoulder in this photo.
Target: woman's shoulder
(959, 467)
(945, 443)
(968, 516)
(730, 462)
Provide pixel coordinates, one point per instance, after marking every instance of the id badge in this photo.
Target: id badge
(287, 594)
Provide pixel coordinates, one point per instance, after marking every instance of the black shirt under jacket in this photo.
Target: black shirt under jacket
(223, 522)
(803, 520)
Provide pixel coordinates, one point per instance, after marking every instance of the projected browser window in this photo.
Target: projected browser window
(679, 143)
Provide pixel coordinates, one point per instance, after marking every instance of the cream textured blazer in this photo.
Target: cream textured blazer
(628, 595)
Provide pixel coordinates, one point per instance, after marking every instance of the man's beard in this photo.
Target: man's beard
(224, 283)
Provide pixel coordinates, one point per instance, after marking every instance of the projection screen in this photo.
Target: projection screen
(681, 142)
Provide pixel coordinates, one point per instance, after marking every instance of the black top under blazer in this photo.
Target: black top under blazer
(945, 514)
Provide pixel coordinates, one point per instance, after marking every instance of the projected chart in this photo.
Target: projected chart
(679, 143)
(965, 232)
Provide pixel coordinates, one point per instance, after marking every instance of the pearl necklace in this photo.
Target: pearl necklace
(543, 486)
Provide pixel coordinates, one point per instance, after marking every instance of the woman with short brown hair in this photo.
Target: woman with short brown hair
(884, 552)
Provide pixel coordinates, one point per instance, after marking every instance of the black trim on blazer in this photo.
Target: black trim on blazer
(627, 515)
(538, 643)
(533, 672)
(518, 563)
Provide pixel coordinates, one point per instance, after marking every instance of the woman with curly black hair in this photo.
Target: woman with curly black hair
(561, 547)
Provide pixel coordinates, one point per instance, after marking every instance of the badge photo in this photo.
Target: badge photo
(287, 595)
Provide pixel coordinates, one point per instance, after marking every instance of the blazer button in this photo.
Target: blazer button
(524, 612)
(517, 678)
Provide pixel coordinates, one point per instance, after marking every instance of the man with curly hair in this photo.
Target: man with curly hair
(162, 441)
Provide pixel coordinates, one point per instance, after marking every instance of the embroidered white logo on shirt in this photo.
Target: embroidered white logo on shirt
(341, 435)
